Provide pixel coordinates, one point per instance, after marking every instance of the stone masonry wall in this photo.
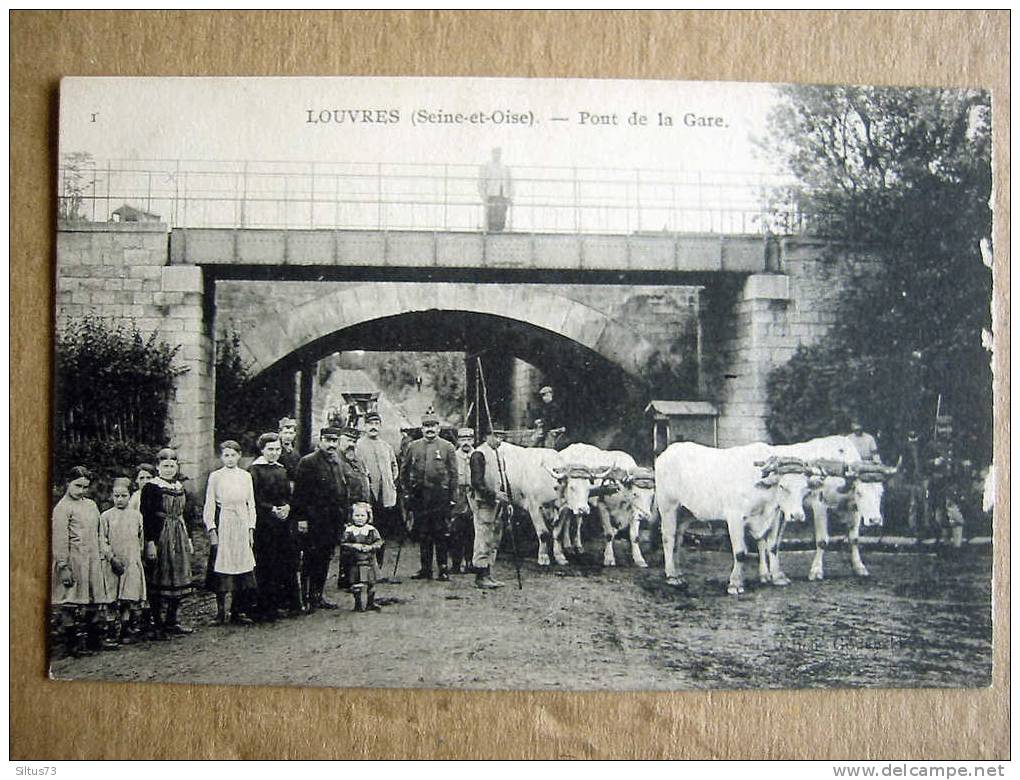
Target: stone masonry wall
(119, 271)
(769, 317)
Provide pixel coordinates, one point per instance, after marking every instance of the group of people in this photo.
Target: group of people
(120, 576)
(116, 573)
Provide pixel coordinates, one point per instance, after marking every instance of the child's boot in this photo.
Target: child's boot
(108, 631)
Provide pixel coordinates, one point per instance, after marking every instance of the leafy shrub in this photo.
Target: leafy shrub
(112, 392)
(246, 406)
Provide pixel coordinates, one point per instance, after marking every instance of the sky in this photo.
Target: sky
(536, 122)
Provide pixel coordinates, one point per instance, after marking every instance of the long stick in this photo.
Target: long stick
(513, 545)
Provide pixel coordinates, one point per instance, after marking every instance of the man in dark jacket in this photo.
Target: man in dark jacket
(320, 504)
(429, 480)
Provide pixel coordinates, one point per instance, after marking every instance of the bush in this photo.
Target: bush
(246, 406)
(112, 392)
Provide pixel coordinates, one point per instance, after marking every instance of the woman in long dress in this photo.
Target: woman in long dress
(168, 547)
(229, 517)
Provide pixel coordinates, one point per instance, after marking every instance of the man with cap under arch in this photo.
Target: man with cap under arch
(462, 525)
(289, 455)
(488, 469)
(429, 481)
(552, 418)
(381, 465)
(320, 505)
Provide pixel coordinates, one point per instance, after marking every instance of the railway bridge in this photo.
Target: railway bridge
(613, 316)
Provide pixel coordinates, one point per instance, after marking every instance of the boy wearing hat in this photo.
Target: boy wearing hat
(381, 464)
(462, 526)
(429, 473)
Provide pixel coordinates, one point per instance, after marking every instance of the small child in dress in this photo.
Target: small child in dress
(82, 582)
(361, 539)
(123, 527)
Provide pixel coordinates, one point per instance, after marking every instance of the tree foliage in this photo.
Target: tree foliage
(112, 391)
(78, 176)
(246, 406)
(905, 176)
(397, 373)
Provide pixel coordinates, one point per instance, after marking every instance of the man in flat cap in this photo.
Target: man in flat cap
(429, 476)
(488, 491)
(552, 418)
(462, 524)
(289, 456)
(320, 505)
(381, 464)
(358, 487)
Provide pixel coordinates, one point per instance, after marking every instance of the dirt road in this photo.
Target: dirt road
(919, 621)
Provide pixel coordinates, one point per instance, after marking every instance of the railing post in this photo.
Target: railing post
(109, 180)
(378, 195)
(637, 196)
(311, 205)
(286, 201)
(446, 202)
(336, 202)
(148, 194)
(244, 195)
(577, 202)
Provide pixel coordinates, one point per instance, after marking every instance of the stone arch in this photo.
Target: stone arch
(291, 330)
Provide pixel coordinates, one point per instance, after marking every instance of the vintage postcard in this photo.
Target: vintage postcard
(522, 384)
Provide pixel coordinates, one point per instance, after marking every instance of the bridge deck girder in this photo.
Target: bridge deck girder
(641, 252)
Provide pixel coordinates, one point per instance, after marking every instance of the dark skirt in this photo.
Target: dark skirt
(171, 576)
(231, 583)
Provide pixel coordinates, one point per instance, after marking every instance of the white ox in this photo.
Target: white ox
(623, 499)
(533, 489)
(713, 483)
(851, 491)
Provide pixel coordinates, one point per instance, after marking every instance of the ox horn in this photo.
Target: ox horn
(602, 474)
(770, 481)
(555, 473)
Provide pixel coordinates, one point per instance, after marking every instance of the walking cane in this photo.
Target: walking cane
(513, 544)
(400, 544)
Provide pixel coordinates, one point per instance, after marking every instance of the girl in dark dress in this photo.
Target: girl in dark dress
(168, 547)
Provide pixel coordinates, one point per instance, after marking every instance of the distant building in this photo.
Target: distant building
(128, 213)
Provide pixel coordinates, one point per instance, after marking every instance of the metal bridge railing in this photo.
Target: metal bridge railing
(388, 196)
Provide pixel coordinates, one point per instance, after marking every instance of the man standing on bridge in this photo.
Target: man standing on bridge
(496, 189)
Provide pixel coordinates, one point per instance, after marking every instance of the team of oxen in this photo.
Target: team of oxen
(756, 489)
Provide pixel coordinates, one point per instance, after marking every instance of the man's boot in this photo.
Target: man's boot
(425, 572)
(441, 560)
(483, 579)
